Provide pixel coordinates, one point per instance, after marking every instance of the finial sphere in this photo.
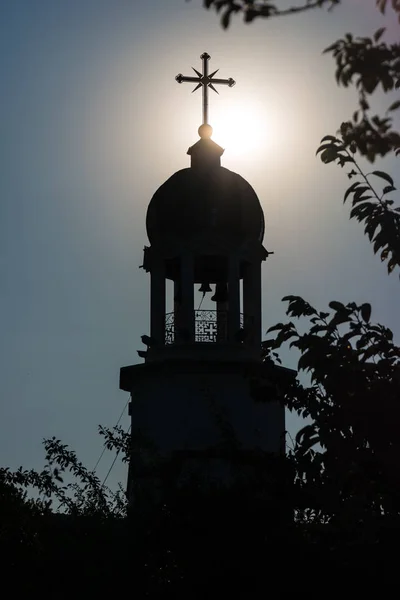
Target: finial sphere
(205, 131)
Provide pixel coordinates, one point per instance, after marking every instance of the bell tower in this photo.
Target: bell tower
(192, 398)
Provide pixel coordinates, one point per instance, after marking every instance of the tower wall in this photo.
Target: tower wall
(202, 411)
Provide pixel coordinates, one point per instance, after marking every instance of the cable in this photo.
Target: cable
(116, 425)
(201, 301)
(113, 463)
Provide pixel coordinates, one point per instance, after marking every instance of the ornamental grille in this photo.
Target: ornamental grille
(209, 326)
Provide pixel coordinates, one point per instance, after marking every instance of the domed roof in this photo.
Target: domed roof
(215, 203)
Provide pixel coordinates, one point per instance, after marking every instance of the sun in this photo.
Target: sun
(242, 129)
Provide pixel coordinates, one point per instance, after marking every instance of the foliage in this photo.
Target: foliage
(368, 63)
(365, 62)
(346, 459)
(117, 440)
(340, 479)
(252, 9)
(375, 210)
(84, 495)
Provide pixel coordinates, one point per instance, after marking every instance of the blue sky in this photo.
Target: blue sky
(92, 122)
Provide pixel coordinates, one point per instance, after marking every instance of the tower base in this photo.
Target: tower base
(199, 422)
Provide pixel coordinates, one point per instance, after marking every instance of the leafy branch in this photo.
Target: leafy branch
(365, 62)
(117, 440)
(375, 210)
(85, 495)
(349, 450)
(368, 63)
(252, 9)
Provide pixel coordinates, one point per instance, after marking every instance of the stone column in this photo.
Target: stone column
(222, 319)
(187, 333)
(234, 298)
(177, 309)
(252, 301)
(157, 301)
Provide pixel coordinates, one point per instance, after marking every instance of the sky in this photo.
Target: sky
(92, 122)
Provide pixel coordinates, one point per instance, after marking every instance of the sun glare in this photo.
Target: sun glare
(242, 130)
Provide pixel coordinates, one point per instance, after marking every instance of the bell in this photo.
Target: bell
(221, 293)
(205, 287)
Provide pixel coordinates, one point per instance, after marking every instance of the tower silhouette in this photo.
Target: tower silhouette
(193, 408)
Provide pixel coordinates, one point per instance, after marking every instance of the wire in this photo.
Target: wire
(113, 463)
(291, 439)
(201, 301)
(116, 425)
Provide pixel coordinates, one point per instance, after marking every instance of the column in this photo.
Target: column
(252, 301)
(222, 312)
(157, 301)
(234, 298)
(177, 309)
(187, 304)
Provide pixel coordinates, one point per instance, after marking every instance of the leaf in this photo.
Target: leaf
(381, 5)
(362, 199)
(308, 444)
(378, 34)
(226, 18)
(388, 188)
(338, 306)
(362, 211)
(351, 189)
(277, 327)
(371, 226)
(325, 147)
(379, 241)
(304, 362)
(370, 82)
(329, 138)
(338, 319)
(330, 48)
(359, 192)
(384, 254)
(366, 312)
(387, 82)
(318, 328)
(268, 344)
(329, 155)
(384, 176)
(343, 159)
(394, 106)
(391, 265)
(284, 336)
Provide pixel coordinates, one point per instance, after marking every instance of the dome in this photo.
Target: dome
(214, 203)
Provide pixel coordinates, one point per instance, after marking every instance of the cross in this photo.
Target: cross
(205, 81)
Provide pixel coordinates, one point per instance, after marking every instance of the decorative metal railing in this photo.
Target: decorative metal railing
(209, 326)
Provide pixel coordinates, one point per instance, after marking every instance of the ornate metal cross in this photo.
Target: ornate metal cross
(205, 81)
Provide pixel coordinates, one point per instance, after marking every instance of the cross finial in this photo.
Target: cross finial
(205, 81)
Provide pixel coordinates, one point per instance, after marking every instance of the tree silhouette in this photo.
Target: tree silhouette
(332, 505)
(346, 460)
